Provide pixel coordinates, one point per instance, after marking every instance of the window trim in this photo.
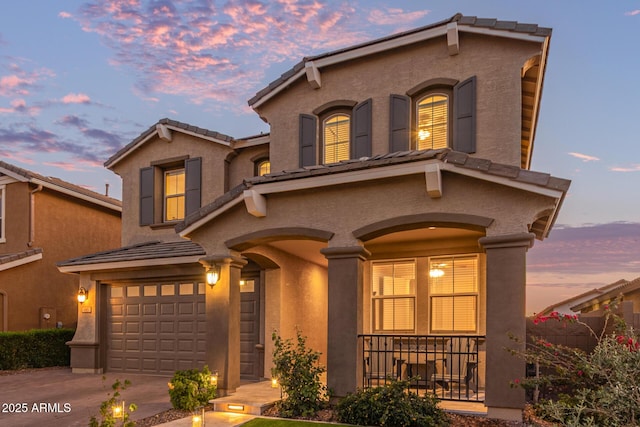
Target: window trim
(475, 294)
(413, 296)
(257, 163)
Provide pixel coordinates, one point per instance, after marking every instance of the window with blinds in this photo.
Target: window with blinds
(336, 135)
(432, 122)
(393, 293)
(174, 194)
(453, 291)
(263, 167)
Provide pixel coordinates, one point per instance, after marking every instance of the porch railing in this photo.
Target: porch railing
(448, 366)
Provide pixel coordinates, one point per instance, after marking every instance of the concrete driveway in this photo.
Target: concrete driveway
(56, 397)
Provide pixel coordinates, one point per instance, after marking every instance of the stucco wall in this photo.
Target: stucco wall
(64, 228)
(495, 62)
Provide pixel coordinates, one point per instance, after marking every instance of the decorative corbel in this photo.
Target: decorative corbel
(433, 178)
(256, 203)
(163, 132)
(313, 75)
(453, 42)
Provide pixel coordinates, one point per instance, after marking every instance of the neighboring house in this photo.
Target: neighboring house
(44, 220)
(588, 299)
(622, 291)
(399, 201)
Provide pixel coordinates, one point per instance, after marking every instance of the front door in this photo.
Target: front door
(250, 353)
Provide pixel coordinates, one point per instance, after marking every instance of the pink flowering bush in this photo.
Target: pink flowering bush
(601, 388)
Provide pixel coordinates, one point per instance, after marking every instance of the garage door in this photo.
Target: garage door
(156, 328)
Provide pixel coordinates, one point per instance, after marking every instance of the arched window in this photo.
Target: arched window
(263, 167)
(432, 122)
(336, 134)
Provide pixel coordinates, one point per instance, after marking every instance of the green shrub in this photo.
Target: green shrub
(107, 416)
(298, 371)
(391, 405)
(37, 348)
(191, 388)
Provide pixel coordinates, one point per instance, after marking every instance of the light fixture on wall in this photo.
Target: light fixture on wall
(213, 274)
(82, 295)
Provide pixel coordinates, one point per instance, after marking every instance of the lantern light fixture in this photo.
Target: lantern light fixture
(82, 295)
(213, 274)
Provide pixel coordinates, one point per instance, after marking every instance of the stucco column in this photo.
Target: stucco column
(344, 356)
(223, 322)
(506, 281)
(85, 345)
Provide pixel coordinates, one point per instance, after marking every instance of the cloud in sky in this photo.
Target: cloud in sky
(211, 50)
(76, 98)
(633, 12)
(584, 157)
(632, 168)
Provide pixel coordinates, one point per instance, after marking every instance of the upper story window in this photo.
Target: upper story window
(432, 122)
(453, 291)
(174, 194)
(336, 131)
(3, 236)
(393, 294)
(262, 167)
(435, 114)
(170, 190)
(336, 136)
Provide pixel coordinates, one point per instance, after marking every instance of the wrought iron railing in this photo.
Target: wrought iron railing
(448, 366)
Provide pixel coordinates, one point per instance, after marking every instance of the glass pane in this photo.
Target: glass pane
(464, 313)
(264, 167)
(167, 290)
(453, 275)
(174, 182)
(175, 208)
(116, 292)
(150, 290)
(441, 275)
(133, 291)
(336, 138)
(394, 278)
(201, 289)
(247, 285)
(394, 314)
(432, 125)
(186, 288)
(442, 313)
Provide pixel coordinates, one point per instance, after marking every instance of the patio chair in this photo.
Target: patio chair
(460, 365)
(380, 362)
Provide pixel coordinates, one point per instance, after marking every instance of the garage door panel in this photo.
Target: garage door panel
(152, 329)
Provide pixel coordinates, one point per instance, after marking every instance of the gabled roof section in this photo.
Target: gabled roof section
(142, 254)
(163, 129)
(381, 166)
(471, 24)
(609, 292)
(8, 261)
(578, 299)
(56, 184)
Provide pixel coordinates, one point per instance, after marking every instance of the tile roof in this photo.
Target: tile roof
(53, 182)
(445, 155)
(174, 123)
(141, 251)
(609, 292)
(470, 21)
(6, 258)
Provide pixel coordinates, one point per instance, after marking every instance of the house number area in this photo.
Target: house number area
(15, 408)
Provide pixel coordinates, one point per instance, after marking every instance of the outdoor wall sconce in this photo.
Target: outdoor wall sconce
(213, 274)
(82, 295)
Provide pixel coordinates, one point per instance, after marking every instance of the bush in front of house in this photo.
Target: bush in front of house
(587, 389)
(191, 388)
(392, 404)
(297, 369)
(37, 348)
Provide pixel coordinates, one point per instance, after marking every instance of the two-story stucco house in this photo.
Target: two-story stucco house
(44, 220)
(387, 215)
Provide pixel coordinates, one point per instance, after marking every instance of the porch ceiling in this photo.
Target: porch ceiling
(418, 239)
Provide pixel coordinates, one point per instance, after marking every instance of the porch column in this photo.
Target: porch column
(506, 281)
(344, 357)
(222, 348)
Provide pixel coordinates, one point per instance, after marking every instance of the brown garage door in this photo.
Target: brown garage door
(155, 328)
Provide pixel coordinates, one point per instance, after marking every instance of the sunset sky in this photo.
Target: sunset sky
(78, 80)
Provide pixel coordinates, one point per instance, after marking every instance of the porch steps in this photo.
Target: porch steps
(250, 398)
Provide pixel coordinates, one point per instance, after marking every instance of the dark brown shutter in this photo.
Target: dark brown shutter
(193, 172)
(361, 130)
(146, 196)
(464, 115)
(399, 123)
(308, 151)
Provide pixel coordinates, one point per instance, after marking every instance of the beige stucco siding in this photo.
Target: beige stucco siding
(213, 171)
(242, 165)
(496, 63)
